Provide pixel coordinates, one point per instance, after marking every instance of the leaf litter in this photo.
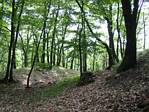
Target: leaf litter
(110, 92)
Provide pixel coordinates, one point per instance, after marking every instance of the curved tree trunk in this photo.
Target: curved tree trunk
(98, 39)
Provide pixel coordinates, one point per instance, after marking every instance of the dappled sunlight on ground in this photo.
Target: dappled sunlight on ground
(43, 77)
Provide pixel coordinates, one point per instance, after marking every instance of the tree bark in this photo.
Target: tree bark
(11, 42)
(80, 52)
(13, 60)
(53, 39)
(25, 48)
(144, 24)
(34, 59)
(130, 17)
(62, 45)
(113, 59)
(43, 57)
(119, 40)
(98, 39)
(48, 60)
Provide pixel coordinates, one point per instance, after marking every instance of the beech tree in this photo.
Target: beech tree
(86, 34)
(131, 14)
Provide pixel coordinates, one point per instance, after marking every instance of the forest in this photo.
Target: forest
(74, 56)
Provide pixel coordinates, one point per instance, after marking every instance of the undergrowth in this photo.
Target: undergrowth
(38, 94)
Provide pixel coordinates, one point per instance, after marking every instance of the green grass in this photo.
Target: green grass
(37, 94)
(42, 66)
(53, 91)
(60, 86)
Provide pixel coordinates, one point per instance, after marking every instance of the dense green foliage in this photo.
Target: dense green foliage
(74, 55)
(80, 35)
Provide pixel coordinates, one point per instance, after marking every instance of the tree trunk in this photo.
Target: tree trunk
(63, 58)
(48, 60)
(34, 60)
(36, 45)
(94, 59)
(25, 48)
(43, 57)
(113, 59)
(99, 40)
(43, 48)
(84, 41)
(62, 45)
(84, 48)
(53, 39)
(13, 60)
(54, 54)
(25, 60)
(11, 42)
(144, 24)
(80, 52)
(130, 18)
(72, 60)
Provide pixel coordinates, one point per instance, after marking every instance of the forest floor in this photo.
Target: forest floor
(111, 92)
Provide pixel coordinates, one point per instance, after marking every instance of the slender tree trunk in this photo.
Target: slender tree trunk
(58, 54)
(99, 40)
(36, 45)
(53, 39)
(43, 57)
(66, 63)
(54, 54)
(33, 51)
(111, 43)
(118, 29)
(94, 59)
(80, 52)
(72, 63)
(11, 41)
(25, 48)
(13, 60)
(48, 60)
(72, 60)
(43, 48)
(25, 60)
(36, 55)
(144, 24)
(30, 72)
(62, 45)
(113, 59)
(34, 60)
(119, 40)
(63, 58)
